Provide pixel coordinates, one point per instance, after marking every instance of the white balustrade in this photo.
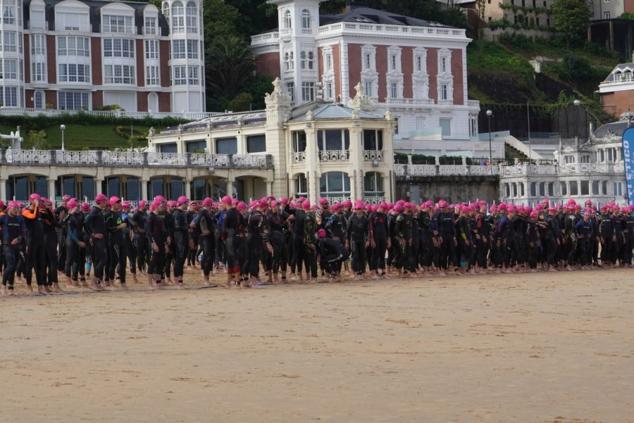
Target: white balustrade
(166, 159)
(122, 158)
(299, 156)
(372, 155)
(42, 157)
(249, 161)
(76, 158)
(334, 155)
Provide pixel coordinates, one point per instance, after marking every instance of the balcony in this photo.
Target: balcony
(432, 170)
(389, 30)
(299, 157)
(92, 158)
(334, 155)
(372, 155)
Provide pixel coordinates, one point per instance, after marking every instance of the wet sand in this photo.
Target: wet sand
(550, 347)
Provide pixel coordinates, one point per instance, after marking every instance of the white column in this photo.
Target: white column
(3, 190)
(51, 189)
(144, 182)
(230, 182)
(188, 187)
(313, 186)
(269, 187)
(312, 163)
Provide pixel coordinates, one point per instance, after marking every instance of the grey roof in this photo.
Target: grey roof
(95, 21)
(361, 14)
(328, 111)
(621, 67)
(611, 129)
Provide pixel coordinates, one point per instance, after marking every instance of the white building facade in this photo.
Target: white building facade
(591, 170)
(83, 55)
(415, 69)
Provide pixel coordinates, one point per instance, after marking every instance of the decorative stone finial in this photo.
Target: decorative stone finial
(279, 96)
(151, 131)
(360, 100)
(389, 115)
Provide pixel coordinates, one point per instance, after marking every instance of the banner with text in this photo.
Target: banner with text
(628, 160)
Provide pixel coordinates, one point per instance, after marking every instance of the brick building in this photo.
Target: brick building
(414, 68)
(86, 54)
(617, 90)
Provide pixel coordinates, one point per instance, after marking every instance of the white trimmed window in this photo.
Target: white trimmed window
(8, 97)
(38, 44)
(288, 20)
(180, 74)
(192, 49)
(118, 24)
(305, 20)
(38, 72)
(118, 47)
(119, 74)
(179, 49)
(151, 49)
(150, 25)
(178, 17)
(72, 45)
(73, 100)
(289, 61)
(308, 91)
(9, 41)
(193, 78)
(73, 72)
(290, 88)
(152, 75)
(192, 17)
(8, 12)
(9, 70)
(307, 60)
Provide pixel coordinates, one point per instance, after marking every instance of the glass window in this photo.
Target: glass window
(564, 188)
(178, 17)
(372, 139)
(133, 189)
(199, 189)
(88, 187)
(604, 188)
(176, 188)
(119, 74)
(113, 186)
(551, 189)
(150, 25)
(156, 187)
(151, 49)
(256, 144)
(119, 24)
(192, 18)
(334, 184)
(196, 146)
(574, 188)
(373, 184)
(180, 74)
(71, 72)
(288, 21)
(299, 141)
(585, 187)
(152, 75)
(305, 19)
(73, 100)
(533, 189)
(168, 148)
(227, 145)
(333, 139)
(445, 126)
(308, 91)
(542, 189)
(301, 185)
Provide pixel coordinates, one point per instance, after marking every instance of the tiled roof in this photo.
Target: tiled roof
(328, 111)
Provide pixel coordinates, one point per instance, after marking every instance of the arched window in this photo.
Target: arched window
(334, 185)
(288, 21)
(178, 17)
(305, 19)
(38, 100)
(192, 18)
(166, 10)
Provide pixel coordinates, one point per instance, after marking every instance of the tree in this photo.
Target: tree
(571, 18)
(230, 67)
(37, 140)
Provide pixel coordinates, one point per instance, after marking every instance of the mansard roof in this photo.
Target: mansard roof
(359, 14)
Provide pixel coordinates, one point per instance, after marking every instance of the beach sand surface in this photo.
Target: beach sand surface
(545, 347)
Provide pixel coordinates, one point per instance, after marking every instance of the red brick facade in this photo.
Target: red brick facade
(618, 102)
(432, 71)
(140, 70)
(407, 63)
(27, 60)
(164, 51)
(164, 102)
(354, 67)
(51, 62)
(269, 64)
(95, 48)
(458, 78)
(97, 99)
(629, 6)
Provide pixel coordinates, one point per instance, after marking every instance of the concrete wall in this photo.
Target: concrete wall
(452, 189)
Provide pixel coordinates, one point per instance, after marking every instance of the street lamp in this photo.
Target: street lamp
(62, 127)
(489, 116)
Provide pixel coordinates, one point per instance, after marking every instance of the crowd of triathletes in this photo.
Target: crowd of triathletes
(274, 240)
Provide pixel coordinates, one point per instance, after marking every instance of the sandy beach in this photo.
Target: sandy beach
(548, 347)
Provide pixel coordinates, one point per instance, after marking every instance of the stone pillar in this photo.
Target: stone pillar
(98, 184)
(354, 184)
(313, 186)
(313, 165)
(144, 182)
(387, 186)
(188, 187)
(51, 188)
(3, 190)
(230, 182)
(356, 160)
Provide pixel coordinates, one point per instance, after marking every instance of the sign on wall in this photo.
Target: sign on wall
(628, 160)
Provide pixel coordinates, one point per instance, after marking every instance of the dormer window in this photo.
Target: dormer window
(306, 19)
(288, 21)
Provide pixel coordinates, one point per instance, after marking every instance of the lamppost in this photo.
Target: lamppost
(62, 128)
(489, 116)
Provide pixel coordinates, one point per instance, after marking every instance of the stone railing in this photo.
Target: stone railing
(372, 155)
(391, 30)
(134, 159)
(299, 157)
(525, 169)
(375, 198)
(334, 155)
(265, 39)
(428, 170)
